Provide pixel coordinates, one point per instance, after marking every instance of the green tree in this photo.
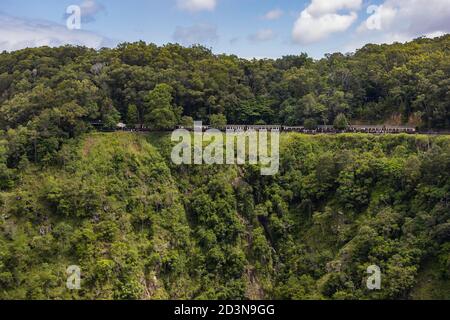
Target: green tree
(341, 122)
(217, 120)
(111, 117)
(187, 122)
(162, 119)
(159, 98)
(132, 115)
(310, 124)
(160, 112)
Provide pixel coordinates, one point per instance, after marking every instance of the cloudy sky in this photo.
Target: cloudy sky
(248, 28)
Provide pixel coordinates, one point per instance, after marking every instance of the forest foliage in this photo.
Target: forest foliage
(48, 95)
(141, 227)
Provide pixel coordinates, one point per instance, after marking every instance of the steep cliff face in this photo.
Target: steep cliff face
(140, 227)
(111, 207)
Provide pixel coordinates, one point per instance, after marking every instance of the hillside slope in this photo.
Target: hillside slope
(142, 228)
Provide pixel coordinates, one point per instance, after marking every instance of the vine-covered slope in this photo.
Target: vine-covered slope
(140, 227)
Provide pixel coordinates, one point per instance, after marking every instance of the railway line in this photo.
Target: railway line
(368, 129)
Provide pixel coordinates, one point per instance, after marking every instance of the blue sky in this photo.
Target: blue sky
(248, 28)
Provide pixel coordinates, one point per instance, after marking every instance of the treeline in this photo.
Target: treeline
(50, 94)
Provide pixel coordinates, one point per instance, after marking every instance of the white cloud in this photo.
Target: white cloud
(323, 17)
(262, 35)
(435, 34)
(17, 33)
(320, 7)
(274, 14)
(408, 19)
(90, 9)
(197, 5)
(196, 34)
(380, 15)
(401, 21)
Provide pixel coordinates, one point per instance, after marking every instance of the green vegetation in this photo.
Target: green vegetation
(341, 122)
(217, 120)
(142, 228)
(160, 114)
(110, 206)
(430, 285)
(49, 95)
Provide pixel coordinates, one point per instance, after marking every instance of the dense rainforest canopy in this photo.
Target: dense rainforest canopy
(49, 94)
(141, 227)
